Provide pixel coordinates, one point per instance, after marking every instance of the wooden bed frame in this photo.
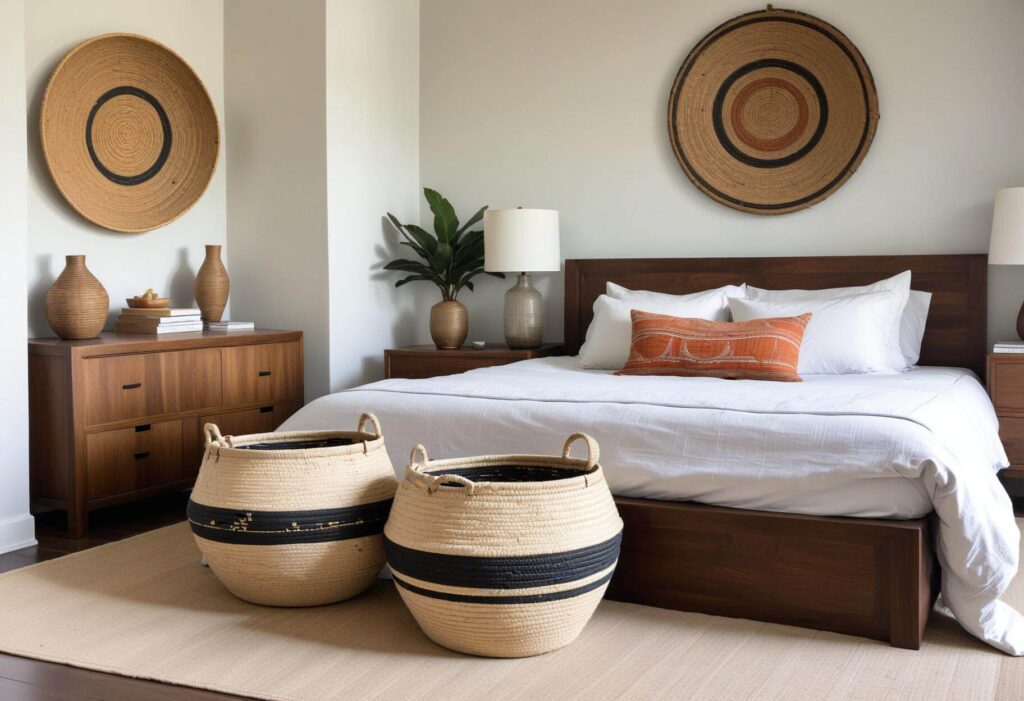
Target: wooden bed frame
(871, 577)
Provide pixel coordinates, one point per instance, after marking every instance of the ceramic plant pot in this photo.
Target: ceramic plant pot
(76, 303)
(449, 324)
(212, 286)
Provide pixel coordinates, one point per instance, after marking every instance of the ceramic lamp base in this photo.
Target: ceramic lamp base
(524, 315)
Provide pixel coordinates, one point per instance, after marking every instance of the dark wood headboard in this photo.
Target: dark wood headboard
(954, 336)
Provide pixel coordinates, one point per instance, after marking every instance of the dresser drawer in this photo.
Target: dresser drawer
(127, 459)
(267, 372)
(261, 420)
(115, 388)
(129, 387)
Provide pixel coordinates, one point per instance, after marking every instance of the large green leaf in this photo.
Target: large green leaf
(408, 266)
(441, 258)
(445, 221)
(412, 278)
(423, 238)
(472, 220)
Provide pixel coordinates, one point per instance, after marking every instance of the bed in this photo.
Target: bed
(840, 542)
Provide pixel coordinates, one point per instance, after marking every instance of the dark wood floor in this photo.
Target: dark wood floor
(22, 679)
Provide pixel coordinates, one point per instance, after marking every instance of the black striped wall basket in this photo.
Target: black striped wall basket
(503, 555)
(294, 519)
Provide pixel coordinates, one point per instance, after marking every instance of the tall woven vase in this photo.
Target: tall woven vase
(212, 285)
(76, 303)
(294, 518)
(503, 555)
(449, 324)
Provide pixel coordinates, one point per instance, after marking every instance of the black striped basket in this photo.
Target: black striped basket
(503, 555)
(294, 519)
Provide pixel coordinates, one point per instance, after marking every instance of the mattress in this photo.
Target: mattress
(876, 445)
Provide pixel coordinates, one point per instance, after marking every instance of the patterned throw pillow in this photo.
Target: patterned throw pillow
(761, 349)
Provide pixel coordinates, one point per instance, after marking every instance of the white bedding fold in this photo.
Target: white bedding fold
(889, 446)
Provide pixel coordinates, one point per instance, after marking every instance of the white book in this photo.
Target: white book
(176, 328)
(230, 326)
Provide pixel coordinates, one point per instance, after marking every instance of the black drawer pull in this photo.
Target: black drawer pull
(134, 385)
(142, 454)
(264, 373)
(143, 427)
(266, 409)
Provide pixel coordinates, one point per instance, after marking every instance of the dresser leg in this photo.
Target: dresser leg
(78, 521)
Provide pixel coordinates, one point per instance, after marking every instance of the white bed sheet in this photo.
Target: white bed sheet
(889, 446)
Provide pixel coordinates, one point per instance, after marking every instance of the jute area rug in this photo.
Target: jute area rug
(144, 607)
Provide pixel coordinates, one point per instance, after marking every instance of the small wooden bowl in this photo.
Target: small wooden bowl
(143, 303)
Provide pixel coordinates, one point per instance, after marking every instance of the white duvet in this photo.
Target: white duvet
(889, 446)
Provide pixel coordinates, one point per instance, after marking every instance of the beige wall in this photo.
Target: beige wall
(277, 192)
(562, 105)
(372, 168)
(165, 259)
(16, 525)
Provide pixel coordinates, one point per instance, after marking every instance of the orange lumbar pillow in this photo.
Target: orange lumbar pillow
(760, 349)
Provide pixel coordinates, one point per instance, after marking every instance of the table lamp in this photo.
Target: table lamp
(521, 241)
(1006, 247)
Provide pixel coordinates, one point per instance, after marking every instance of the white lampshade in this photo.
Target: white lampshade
(521, 240)
(1006, 247)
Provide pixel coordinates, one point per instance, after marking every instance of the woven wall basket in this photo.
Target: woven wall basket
(504, 555)
(772, 112)
(128, 132)
(294, 519)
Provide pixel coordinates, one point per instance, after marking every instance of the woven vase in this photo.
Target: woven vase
(212, 285)
(76, 303)
(449, 324)
(503, 555)
(294, 518)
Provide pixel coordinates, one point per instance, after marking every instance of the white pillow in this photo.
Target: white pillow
(611, 332)
(844, 336)
(912, 318)
(637, 296)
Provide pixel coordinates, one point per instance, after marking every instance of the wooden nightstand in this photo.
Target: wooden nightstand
(427, 361)
(120, 417)
(1005, 379)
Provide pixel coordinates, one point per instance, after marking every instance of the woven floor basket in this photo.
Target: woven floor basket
(503, 555)
(294, 519)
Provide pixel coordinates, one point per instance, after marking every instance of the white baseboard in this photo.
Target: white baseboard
(16, 533)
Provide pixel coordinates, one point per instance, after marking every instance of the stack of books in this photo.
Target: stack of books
(158, 321)
(225, 326)
(1008, 347)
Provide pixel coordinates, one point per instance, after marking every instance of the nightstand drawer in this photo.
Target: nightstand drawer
(1011, 432)
(416, 368)
(266, 372)
(127, 459)
(1006, 384)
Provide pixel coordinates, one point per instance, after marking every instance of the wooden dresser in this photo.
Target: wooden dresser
(120, 417)
(1005, 380)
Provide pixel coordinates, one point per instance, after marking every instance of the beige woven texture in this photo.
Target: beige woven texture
(772, 112)
(127, 133)
(301, 574)
(491, 519)
(449, 324)
(76, 303)
(212, 285)
(143, 607)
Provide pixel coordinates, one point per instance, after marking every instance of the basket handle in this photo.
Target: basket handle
(593, 451)
(418, 452)
(437, 482)
(367, 417)
(213, 436)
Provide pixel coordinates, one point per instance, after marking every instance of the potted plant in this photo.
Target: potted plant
(450, 258)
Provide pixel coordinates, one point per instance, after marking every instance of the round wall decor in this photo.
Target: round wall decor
(129, 133)
(772, 111)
